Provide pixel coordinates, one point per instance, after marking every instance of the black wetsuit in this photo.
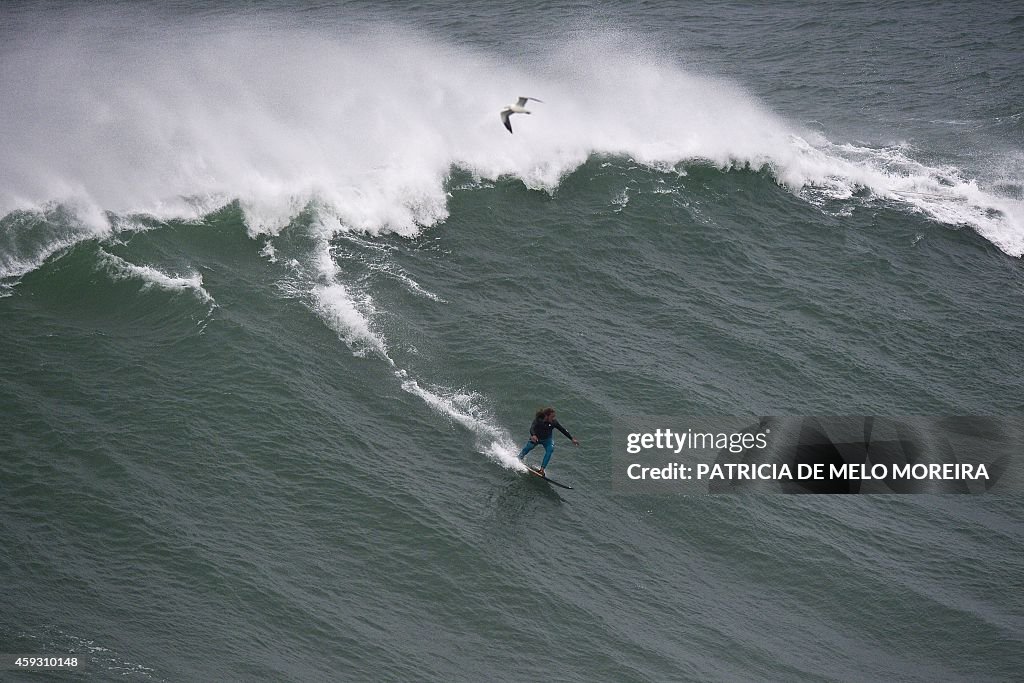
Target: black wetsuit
(541, 428)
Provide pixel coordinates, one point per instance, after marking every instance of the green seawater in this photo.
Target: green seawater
(270, 440)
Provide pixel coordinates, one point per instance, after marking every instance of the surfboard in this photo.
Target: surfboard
(547, 478)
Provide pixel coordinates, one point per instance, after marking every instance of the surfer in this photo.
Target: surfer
(542, 432)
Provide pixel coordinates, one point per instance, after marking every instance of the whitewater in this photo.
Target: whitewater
(170, 126)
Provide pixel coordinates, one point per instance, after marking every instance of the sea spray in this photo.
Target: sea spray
(161, 124)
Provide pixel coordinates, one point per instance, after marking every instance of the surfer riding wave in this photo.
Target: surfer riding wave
(542, 433)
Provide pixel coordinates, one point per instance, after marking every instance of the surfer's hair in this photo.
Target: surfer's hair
(544, 412)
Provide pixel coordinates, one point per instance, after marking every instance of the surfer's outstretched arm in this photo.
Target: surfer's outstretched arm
(558, 425)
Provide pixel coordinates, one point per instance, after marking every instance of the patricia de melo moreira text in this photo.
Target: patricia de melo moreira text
(737, 442)
(733, 471)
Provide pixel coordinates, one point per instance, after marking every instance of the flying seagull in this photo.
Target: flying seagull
(517, 108)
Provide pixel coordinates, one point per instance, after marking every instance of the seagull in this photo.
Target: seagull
(517, 108)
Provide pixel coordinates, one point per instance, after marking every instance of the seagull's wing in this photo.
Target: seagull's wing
(522, 100)
(504, 119)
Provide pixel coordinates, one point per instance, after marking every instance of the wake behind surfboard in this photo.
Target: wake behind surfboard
(547, 478)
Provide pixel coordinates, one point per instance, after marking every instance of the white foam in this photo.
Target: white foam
(14, 264)
(350, 315)
(351, 320)
(462, 408)
(179, 129)
(342, 313)
(30, 238)
(268, 252)
(621, 200)
(941, 193)
(152, 277)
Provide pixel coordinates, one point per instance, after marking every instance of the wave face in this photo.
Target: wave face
(279, 297)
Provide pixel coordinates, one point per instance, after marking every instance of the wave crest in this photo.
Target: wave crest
(168, 126)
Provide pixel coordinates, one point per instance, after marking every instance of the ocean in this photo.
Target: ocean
(280, 296)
